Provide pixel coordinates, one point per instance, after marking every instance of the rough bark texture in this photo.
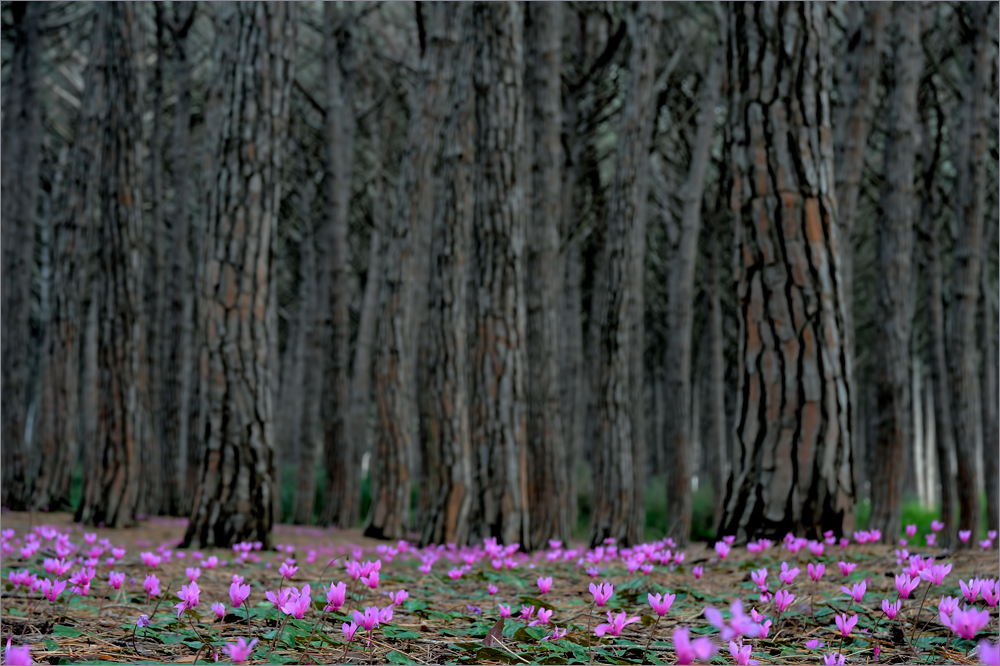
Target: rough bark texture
(619, 463)
(990, 396)
(396, 424)
(679, 445)
(718, 434)
(22, 135)
(233, 501)
(970, 212)
(499, 408)
(550, 479)
(118, 454)
(174, 410)
(894, 293)
(449, 463)
(342, 497)
(793, 467)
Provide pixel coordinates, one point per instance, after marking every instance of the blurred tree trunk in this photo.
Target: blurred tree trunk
(857, 97)
(895, 297)
(678, 446)
(944, 434)
(22, 136)
(499, 408)
(395, 340)
(793, 468)
(550, 482)
(970, 212)
(254, 54)
(990, 397)
(449, 462)
(174, 409)
(718, 433)
(126, 478)
(619, 463)
(342, 497)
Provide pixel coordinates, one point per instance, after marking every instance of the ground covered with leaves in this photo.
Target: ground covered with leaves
(325, 596)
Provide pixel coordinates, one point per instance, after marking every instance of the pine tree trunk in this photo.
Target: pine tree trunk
(396, 428)
(449, 463)
(113, 489)
(718, 432)
(970, 211)
(679, 450)
(990, 398)
(550, 482)
(22, 136)
(499, 408)
(342, 497)
(793, 467)
(619, 463)
(254, 53)
(893, 287)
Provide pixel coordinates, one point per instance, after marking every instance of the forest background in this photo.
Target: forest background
(526, 270)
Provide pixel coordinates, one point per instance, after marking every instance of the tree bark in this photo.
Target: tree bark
(619, 464)
(718, 432)
(499, 408)
(990, 397)
(395, 340)
(550, 482)
(22, 142)
(120, 452)
(679, 445)
(254, 53)
(970, 211)
(449, 463)
(894, 295)
(342, 496)
(793, 468)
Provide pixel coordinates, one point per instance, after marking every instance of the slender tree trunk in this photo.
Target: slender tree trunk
(679, 446)
(395, 340)
(930, 443)
(718, 432)
(970, 212)
(22, 136)
(254, 53)
(990, 398)
(449, 463)
(619, 463)
(550, 483)
(895, 300)
(793, 468)
(113, 490)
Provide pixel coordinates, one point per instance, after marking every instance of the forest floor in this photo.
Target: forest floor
(450, 615)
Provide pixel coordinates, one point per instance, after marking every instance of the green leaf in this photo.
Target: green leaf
(62, 630)
(414, 605)
(51, 645)
(526, 634)
(648, 620)
(396, 657)
(634, 584)
(395, 632)
(14, 611)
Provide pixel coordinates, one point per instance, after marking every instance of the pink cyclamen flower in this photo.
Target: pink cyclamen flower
(911, 531)
(615, 624)
(527, 612)
(990, 591)
(287, 571)
(557, 633)
(398, 598)
(385, 614)
(298, 603)
(52, 589)
(937, 525)
(688, 650)
(16, 655)
(845, 624)
(238, 593)
(544, 585)
(989, 653)
(698, 571)
(891, 610)
(504, 610)
(992, 534)
(814, 644)
(150, 559)
(757, 617)
(905, 584)
(741, 653)
(834, 658)
(787, 575)
(152, 585)
(783, 599)
(188, 596)
(492, 589)
(220, 609)
(335, 596)
(142, 622)
(846, 567)
(118, 553)
(935, 573)
(816, 571)
(722, 548)
(211, 562)
(368, 620)
(966, 623)
(602, 592)
(964, 535)
(947, 605)
(371, 580)
(349, 630)
(240, 651)
(971, 591)
(759, 578)
(856, 592)
(930, 538)
(115, 580)
(986, 544)
(660, 603)
(543, 617)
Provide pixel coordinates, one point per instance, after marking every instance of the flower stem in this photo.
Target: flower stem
(590, 616)
(650, 639)
(917, 618)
